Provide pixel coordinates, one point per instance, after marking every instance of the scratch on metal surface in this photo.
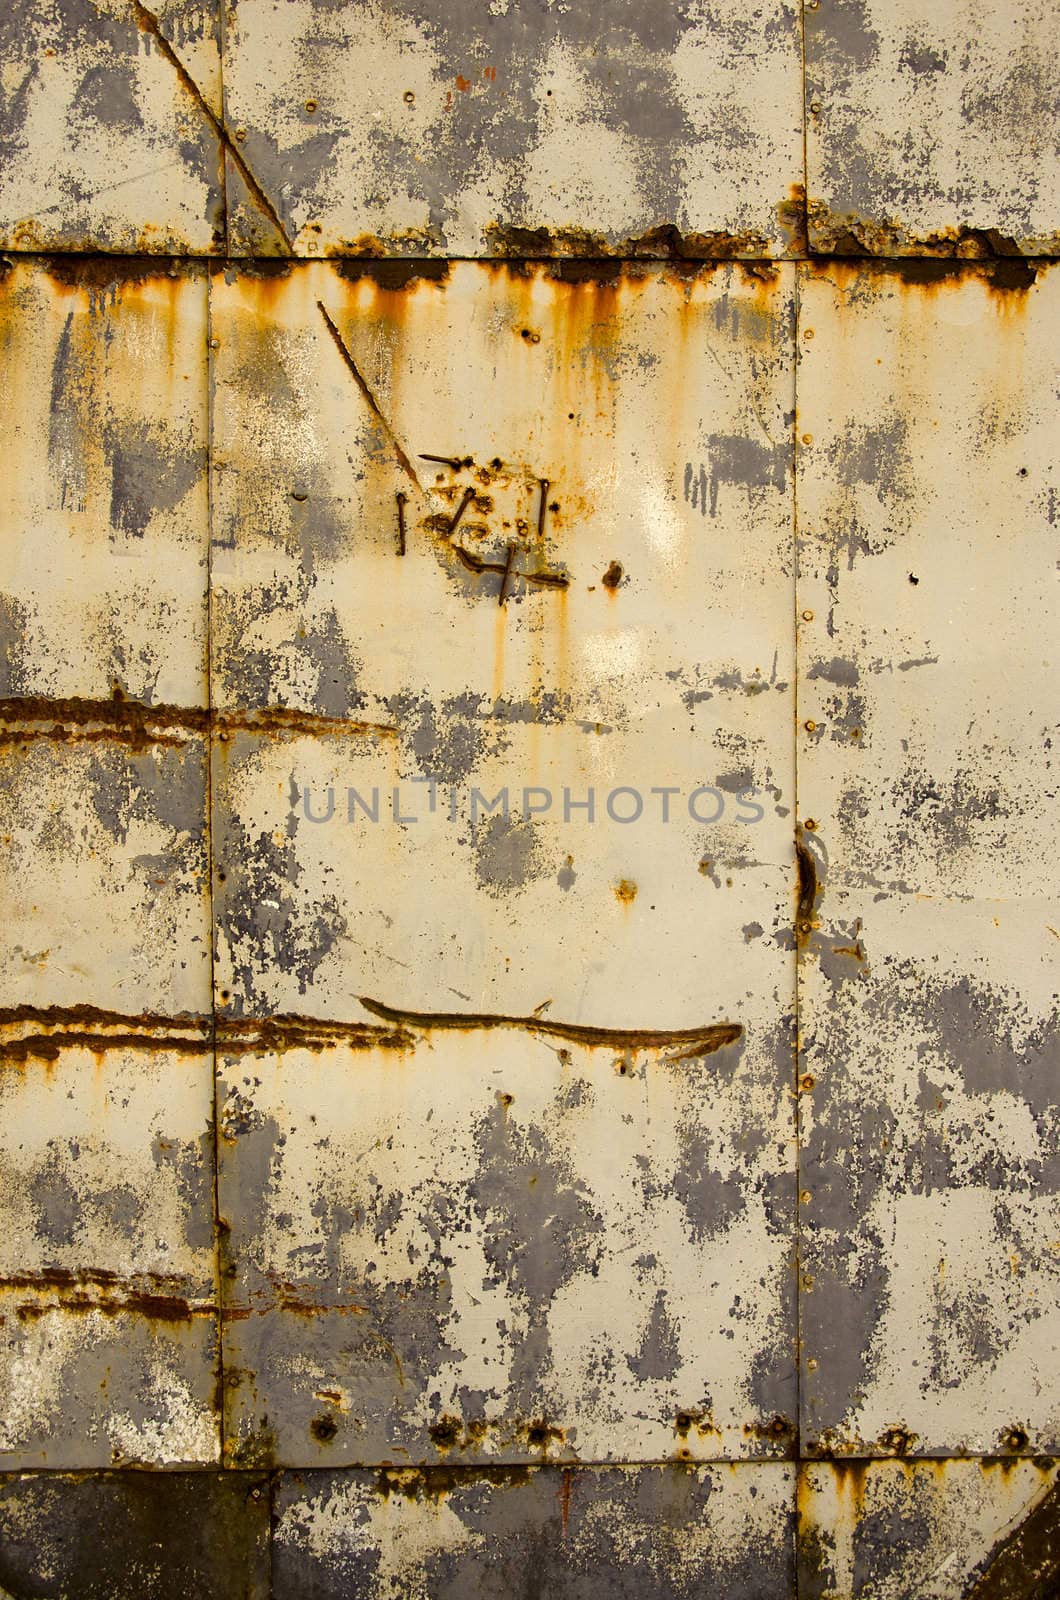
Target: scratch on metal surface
(149, 23)
(369, 397)
(43, 1032)
(697, 1041)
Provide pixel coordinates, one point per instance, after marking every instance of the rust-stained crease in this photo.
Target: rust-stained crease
(704, 1040)
(43, 1032)
(369, 397)
(662, 243)
(149, 23)
(153, 1295)
(80, 720)
(548, 580)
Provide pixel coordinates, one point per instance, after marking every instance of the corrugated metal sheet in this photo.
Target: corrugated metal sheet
(527, 1042)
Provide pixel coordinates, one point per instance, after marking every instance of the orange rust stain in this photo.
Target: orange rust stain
(625, 891)
(1007, 280)
(564, 1498)
(463, 84)
(851, 1478)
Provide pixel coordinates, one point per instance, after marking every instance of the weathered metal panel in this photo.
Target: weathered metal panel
(123, 1536)
(932, 129)
(513, 128)
(648, 1533)
(618, 474)
(104, 873)
(548, 635)
(941, 1530)
(108, 1294)
(104, 514)
(480, 1243)
(109, 134)
(929, 1160)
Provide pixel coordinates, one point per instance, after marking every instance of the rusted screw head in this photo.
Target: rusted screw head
(310, 106)
(807, 616)
(810, 825)
(811, 726)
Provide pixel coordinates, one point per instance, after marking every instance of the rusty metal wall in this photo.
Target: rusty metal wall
(527, 782)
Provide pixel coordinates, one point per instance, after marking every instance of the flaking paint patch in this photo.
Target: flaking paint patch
(658, 1533)
(923, 129)
(428, 1270)
(480, 122)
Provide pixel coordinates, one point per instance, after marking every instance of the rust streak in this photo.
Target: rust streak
(711, 1037)
(153, 1295)
(149, 24)
(369, 398)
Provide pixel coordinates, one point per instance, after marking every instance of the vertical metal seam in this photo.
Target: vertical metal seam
(803, 109)
(210, 863)
(797, 1043)
(222, 18)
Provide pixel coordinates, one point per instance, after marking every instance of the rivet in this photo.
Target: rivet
(409, 97)
(805, 927)
(215, 344)
(807, 616)
(807, 1281)
(241, 134)
(808, 333)
(808, 1081)
(810, 725)
(310, 106)
(810, 825)
(815, 108)
(805, 1197)
(807, 438)
(811, 1365)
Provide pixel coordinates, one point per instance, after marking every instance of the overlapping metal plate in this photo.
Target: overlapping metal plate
(499, 713)
(927, 785)
(932, 130)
